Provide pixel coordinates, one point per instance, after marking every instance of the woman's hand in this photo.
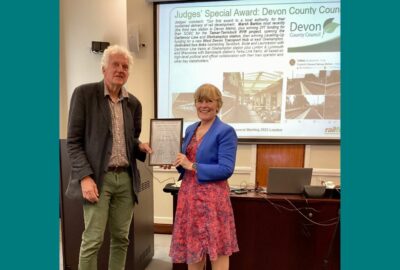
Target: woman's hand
(182, 160)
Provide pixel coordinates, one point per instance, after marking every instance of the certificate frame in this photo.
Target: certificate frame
(165, 140)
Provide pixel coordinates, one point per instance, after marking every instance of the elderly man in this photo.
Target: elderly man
(103, 145)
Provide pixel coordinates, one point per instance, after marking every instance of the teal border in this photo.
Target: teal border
(29, 230)
(29, 176)
(370, 139)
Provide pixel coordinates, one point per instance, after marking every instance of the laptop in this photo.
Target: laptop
(288, 180)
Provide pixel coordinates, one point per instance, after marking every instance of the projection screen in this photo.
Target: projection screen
(276, 63)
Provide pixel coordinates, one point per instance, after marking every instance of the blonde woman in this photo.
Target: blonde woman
(204, 223)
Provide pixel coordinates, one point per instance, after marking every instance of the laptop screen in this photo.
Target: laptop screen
(288, 180)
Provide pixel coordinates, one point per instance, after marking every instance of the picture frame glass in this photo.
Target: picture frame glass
(165, 140)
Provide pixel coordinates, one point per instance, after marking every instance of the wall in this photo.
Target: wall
(109, 20)
(82, 22)
(325, 159)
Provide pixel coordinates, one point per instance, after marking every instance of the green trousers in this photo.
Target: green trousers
(115, 205)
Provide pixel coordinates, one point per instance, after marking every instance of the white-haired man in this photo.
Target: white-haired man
(103, 145)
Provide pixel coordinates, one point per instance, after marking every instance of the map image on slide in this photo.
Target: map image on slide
(314, 96)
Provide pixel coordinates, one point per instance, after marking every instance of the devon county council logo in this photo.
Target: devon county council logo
(329, 26)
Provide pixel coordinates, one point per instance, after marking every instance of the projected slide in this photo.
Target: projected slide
(277, 65)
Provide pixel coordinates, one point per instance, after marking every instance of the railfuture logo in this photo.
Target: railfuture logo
(332, 130)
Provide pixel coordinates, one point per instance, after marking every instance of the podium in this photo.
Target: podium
(141, 236)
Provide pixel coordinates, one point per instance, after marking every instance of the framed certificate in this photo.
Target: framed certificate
(165, 140)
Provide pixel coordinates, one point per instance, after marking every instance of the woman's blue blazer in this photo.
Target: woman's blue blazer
(216, 154)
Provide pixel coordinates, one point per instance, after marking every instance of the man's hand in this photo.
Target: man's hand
(145, 147)
(89, 189)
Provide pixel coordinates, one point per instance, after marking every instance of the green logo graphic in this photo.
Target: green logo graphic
(329, 26)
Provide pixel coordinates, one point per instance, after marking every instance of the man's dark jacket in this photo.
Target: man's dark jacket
(89, 140)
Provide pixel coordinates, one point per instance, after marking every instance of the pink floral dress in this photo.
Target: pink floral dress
(204, 222)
